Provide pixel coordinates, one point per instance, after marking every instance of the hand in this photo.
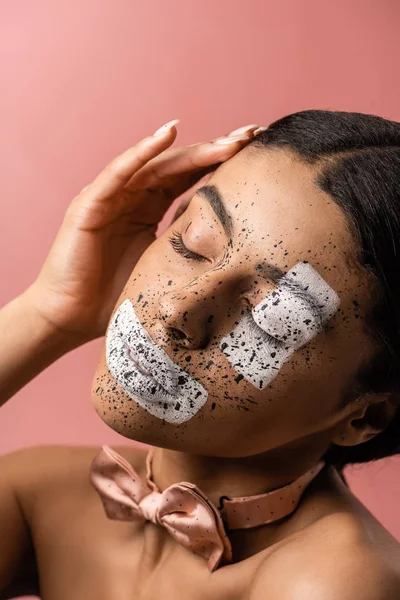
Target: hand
(111, 222)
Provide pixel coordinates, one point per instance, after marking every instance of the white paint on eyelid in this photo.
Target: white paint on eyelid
(280, 324)
(159, 385)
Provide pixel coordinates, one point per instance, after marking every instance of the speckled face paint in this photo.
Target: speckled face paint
(288, 318)
(147, 373)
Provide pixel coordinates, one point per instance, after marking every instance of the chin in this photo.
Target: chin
(119, 411)
(124, 416)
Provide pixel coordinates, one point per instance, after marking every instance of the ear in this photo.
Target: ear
(371, 414)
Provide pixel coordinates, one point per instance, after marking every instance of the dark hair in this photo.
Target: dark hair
(358, 160)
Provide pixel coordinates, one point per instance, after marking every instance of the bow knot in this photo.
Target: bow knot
(149, 507)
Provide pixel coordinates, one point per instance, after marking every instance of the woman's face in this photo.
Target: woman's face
(241, 326)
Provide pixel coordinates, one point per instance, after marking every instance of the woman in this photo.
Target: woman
(254, 346)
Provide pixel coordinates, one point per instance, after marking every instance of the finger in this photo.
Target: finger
(120, 170)
(189, 158)
(189, 168)
(181, 167)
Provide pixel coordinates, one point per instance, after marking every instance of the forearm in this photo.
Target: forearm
(27, 346)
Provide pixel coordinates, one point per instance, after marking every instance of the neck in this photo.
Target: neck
(236, 476)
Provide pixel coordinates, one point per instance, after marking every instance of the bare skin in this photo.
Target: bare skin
(331, 547)
(82, 554)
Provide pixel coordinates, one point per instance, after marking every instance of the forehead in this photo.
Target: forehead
(278, 210)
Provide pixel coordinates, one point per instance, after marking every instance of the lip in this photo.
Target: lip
(141, 378)
(171, 394)
(145, 367)
(140, 368)
(138, 364)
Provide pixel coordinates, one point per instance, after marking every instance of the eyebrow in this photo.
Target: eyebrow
(214, 198)
(276, 275)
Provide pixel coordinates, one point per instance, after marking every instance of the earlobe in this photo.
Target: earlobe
(373, 415)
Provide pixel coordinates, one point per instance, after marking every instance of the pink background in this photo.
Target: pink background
(82, 80)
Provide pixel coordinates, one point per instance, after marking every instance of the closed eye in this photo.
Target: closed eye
(179, 247)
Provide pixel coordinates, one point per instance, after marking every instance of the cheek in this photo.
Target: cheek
(279, 325)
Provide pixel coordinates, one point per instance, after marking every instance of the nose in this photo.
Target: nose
(191, 314)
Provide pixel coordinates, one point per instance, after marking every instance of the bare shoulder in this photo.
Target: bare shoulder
(53, 491)
(331, 560)
(43, 471)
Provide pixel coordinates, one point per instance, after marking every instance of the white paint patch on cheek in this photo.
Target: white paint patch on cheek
(254, 354)
(146, 372)
(284, 321)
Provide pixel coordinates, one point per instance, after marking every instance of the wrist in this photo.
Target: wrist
(29, 345)
(46, 333)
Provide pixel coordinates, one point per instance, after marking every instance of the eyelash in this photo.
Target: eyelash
(179, 247)
(265, 337)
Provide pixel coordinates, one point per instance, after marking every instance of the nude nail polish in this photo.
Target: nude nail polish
(260, 130)
(166, 128)
(243, 129)
(232, 139)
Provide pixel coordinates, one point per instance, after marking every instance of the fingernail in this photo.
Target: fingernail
(165, 128)
(243, 129)
(232, 140)
(260, 130)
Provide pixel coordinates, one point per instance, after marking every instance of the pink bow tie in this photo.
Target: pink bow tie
(182, 508)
